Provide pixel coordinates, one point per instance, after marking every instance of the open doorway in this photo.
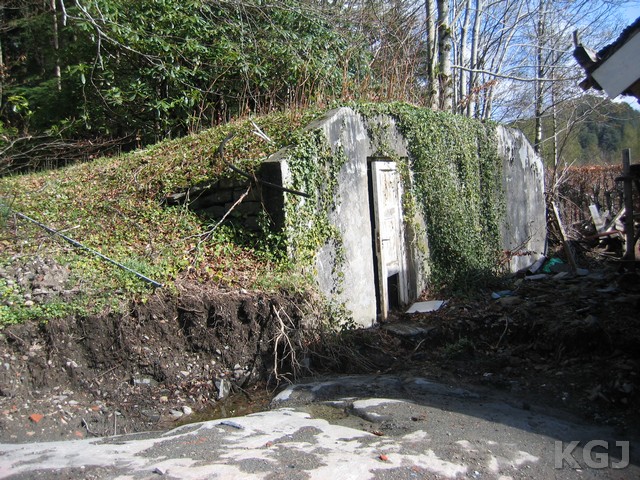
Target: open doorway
(385, 202)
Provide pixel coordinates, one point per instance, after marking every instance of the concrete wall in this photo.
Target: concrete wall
(353, 283)
(352, 217)
(524, 230)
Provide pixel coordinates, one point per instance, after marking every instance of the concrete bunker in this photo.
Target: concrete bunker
(374, 256)
(383, 262)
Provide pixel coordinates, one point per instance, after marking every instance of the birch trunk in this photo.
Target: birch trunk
(432, 86)
(464, 90)
(56, 44)
(1, 58)
(540, 71)
(473, 61)
(444, 56)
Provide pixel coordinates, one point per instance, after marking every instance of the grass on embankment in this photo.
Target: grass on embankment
(115, 206)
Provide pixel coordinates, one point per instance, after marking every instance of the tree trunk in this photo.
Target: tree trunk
(464, 90)
(432, 49)
(444, 56)
(540, 71)
(497, 61)
(1, 58)
(56, 44)
(473, 61)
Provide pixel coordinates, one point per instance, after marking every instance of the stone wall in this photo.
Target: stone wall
(214, 200)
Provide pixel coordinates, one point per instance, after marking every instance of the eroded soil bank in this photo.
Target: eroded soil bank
(148, 369)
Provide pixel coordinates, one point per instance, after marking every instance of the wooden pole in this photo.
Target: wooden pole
(629, 230)
(565, 242)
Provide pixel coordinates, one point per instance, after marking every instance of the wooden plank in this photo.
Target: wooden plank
(565, 243)
(629, 229)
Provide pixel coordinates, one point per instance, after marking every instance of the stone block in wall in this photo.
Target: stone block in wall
(213, 197)
(252, 196)
(214, 212)
(245, 208)
(251, 222)
(233, 182)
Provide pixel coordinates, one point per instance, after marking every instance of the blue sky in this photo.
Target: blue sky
(631, 13)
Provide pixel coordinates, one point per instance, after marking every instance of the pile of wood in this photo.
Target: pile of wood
(592, 195)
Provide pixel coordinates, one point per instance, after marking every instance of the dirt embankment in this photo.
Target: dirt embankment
(145, 370)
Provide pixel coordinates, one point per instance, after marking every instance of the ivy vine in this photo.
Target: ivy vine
(315, 170)
(457, 184)
(453, 177)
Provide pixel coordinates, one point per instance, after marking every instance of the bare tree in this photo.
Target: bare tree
(444, 57)
(541, 66)
(431, 54)
(56, 43)
(461, 50)
(473, 60)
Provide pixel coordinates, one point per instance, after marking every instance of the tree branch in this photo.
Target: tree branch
(509, 77)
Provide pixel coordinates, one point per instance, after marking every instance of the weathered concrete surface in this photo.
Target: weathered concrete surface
(352, 217)
(524, 230)
(361, 141)
(349, 132)
(348, 428)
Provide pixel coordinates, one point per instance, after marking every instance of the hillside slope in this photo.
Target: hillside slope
(116, 207)
(95, 349)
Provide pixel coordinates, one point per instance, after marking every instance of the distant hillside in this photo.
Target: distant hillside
(591, 131)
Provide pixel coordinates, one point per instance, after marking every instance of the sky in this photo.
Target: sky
(631, 13)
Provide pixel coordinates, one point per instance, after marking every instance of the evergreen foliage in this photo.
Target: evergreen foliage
(599, 130)
(143, 71)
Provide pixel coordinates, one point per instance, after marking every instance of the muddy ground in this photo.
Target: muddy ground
(570, 342)
(164, 362)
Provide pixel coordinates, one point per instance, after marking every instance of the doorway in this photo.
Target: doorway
(385, 201)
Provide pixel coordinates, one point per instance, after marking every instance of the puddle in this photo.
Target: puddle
(240, 404)
(235, 405)
(337, 415)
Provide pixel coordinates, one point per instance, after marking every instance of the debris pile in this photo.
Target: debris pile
(567, 339)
